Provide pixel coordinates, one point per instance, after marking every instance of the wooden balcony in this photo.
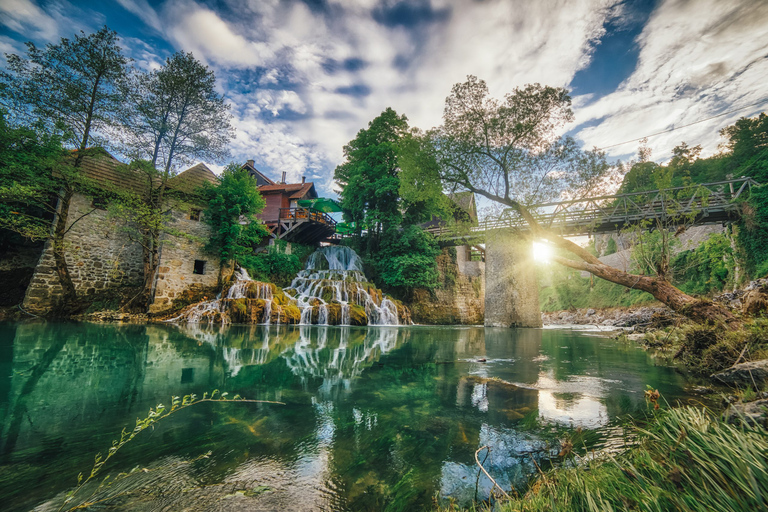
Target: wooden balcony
(302, 225)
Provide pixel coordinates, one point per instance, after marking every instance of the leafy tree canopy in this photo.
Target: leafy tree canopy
(232, 208)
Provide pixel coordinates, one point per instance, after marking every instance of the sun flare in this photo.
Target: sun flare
(542, 253)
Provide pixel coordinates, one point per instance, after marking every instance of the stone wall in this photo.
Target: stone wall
(98, 252)
(176, 272)
(17, 265)
(460, 299)
(101, 255)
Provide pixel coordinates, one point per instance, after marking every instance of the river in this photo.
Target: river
(377, 418)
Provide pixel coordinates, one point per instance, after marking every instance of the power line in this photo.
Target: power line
(685, 125)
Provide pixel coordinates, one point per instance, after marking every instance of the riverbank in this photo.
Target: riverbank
(685, 459)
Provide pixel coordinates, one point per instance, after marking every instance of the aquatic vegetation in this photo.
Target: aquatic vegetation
(155, 415)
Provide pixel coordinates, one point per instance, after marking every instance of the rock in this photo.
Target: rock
(753, 373)
(591, 312)
(751, 413)
(755, 301)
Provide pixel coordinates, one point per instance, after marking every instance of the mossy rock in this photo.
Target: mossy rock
(291, 314)
(334, 313)
(357, 315)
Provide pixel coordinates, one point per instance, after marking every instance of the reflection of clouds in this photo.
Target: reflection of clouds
(509, 463)
(575, 402)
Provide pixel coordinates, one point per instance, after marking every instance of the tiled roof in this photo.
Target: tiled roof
(109, 173)
(297, 190)
(193, 178)
(248, 166)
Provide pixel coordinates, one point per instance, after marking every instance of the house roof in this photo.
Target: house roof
(465, 201)
(193, 178)
(296, 190)
(109, 173)
(257, 174)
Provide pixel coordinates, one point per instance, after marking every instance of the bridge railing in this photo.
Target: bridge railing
(708, 202)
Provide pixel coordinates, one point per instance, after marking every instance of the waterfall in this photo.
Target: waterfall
(331, 290)
(333, 286)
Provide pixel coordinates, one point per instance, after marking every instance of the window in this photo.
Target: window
(194, 214)
(199, 267)
(99, 203)
(187, 375)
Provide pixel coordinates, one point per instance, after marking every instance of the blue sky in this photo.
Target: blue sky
(303, 76)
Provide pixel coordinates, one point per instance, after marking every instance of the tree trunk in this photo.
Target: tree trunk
(698, 310)
(69, 294)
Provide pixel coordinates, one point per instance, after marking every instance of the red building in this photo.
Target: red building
(287, 214)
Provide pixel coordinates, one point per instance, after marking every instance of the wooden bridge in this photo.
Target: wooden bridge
(708, 203)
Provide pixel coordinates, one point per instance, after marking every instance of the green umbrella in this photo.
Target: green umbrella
(345, 228)
(321, 204)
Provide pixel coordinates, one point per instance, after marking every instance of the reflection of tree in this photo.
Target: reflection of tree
(19, 408)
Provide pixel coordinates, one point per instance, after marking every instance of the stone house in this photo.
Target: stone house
(102, 251)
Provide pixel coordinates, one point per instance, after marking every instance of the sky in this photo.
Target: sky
(304, 76)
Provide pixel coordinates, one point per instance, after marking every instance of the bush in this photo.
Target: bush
(275, 265)
(709, 267)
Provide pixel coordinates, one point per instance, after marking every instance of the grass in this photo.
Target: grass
(686, 459)
(567, 290)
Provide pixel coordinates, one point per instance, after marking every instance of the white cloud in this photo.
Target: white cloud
(143, 11)
(200, 30)
(697, 59)
(26, 17)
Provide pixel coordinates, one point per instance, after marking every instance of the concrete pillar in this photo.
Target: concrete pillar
(511, 287)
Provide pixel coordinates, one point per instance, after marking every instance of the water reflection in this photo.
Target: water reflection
(374, 417)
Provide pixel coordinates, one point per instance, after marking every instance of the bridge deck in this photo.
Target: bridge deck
(707, 203)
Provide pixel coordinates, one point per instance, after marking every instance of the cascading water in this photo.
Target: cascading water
(333, 289)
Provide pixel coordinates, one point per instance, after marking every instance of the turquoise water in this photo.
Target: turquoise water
(374, 418)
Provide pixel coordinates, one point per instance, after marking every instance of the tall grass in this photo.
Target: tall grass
(686, 460)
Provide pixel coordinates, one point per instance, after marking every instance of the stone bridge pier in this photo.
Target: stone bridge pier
(511, 287)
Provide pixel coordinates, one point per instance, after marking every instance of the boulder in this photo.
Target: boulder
(755, 301)
(753, 373)
(751, 413)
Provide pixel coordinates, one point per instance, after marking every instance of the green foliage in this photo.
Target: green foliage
(27, 157)
(232, 208)
(650, 255)
(74, 86)
(177, 115)
(370, 194)
(610, 247)
(709, 267)
(389, 185)
(275, 265)
(705, 349)
(753, 232)
(562, 288)
(407, 259)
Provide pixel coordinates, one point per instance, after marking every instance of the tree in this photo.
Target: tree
(27, 159)
(176, 117)
(509, 152)
(73, 87)
(232, 208)
(369, 177)
(376, 198)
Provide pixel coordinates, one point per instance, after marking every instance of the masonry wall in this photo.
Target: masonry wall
(176, 272)
(98, 252)
(461, 297)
